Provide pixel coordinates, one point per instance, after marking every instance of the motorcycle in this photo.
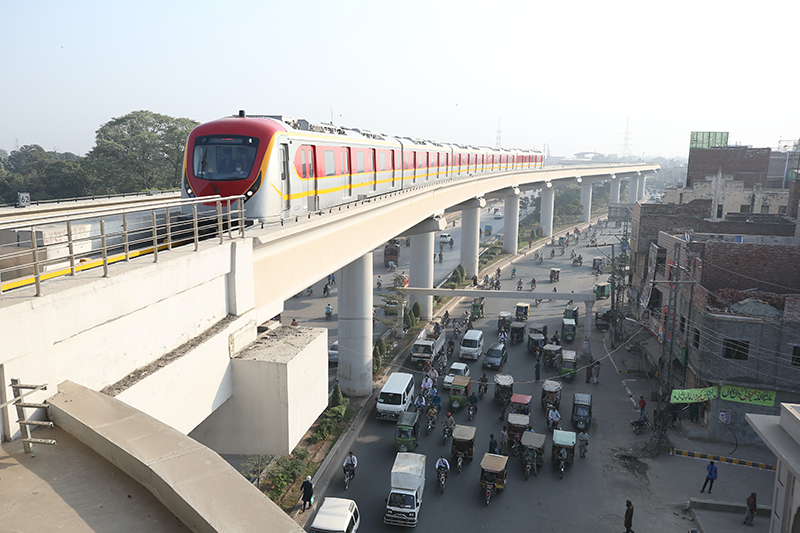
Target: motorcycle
(541, 259)
(459, 461)
(349, 473)
(527, 465)
(441, 257)
(563, 251)
(448, 432)
(449, 350)
(561, 465)
(379, 284)
(573, 255)
(482, 389)
(328, 314)
(639, 425)
(431, 423)
(456, 330)
(552, 254)
(309, 291)
(514, 273)
(442, 472)
(472, 410)
(519, 285)
(533, 285)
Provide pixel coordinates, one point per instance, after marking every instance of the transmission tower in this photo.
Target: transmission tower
(498, 134)
(626, 140)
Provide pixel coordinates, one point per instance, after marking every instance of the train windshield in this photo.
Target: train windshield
(224, 158)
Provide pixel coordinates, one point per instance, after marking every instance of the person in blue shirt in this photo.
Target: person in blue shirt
(711, 476)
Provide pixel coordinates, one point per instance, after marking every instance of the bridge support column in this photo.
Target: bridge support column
(470, 229)
(546, 213)
(355, 328)
(422, 257)
(586, 200)
(511, 225)
(587, 331)
(615, 184)
(640, 188)
(633, 190)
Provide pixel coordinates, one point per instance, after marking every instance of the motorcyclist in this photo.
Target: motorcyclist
(580, 258)
(451, 242)
(419, 403)
(514, 272)
(519, 285)
(441, 257)
(380, 282)
(486, 279)
(562, 454)
(533, 284)
(553, 418)
(446, 317)
(527, 454)
(436, 403)
(449, 422)
(483, 382)
(573, 254)
(443, 465)
(328, 310)
(552, 254)
(473, 401)
(350, 462)
(451, 345)
(469, 325)
(437, 328)
(497, 272)
(427, 383)
(326, 290)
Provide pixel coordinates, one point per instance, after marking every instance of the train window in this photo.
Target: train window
(303, 155)
(330, 163)
(383, 160)
(359, 161)
(345, 170)
(229, 158)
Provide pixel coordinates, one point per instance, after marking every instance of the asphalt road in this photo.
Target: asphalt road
(592, 494)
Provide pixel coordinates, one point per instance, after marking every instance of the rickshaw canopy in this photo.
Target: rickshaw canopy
(407, 418)
(522, 399)
(464, 432)
(533, 440)
(504, 380)
(597, 261)
(571, 311)
(519, 420)
(461, 382)
(580, 398)
(519, 326)
(564, 438)
(554, 348)
(569, 355)
(538, 328)
(504, 315)
(536, 336)
(494, 463)
(568, 322)
(551, 385)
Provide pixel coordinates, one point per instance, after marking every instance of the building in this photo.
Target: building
(736, 336)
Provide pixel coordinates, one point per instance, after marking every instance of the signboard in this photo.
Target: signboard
(751, 396)
(693, 395)
(725, 416)
(709, 139)
(23, 199)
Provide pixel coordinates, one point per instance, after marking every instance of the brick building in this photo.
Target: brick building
(738, 324)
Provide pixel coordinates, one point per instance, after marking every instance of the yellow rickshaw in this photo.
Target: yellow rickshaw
(517, 425)
(493, 474)
(463, 445)
(522, 311)
(532, 452)
(551, 393)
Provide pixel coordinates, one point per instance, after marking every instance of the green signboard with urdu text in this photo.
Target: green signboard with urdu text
(693, 395)
(751, 396)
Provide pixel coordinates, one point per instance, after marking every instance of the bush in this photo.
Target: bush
(408, 321)
(450, 285)
(416, 310)
(335, 413)
(381, 346)
(336, 398)
(377, 362)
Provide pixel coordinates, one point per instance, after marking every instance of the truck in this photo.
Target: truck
(408, 486)
(391, 252)
(428, 346)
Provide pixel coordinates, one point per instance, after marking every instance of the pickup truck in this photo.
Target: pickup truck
(408, 486)
(428, 346)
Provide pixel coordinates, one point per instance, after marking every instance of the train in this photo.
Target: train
(286, 167)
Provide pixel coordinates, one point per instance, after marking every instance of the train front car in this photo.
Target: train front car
(230, 157)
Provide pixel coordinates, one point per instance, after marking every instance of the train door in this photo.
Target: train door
(312, 191)
(348, 177)
(373, 163)
(286, 182)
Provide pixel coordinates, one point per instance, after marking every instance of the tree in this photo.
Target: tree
(141, 150)
(67, 179)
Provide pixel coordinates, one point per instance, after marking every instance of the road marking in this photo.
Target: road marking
(722, 459)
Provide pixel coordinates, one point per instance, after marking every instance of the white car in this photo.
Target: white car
(444, 238)
(456, 369)
(498, 214)
(333, 353)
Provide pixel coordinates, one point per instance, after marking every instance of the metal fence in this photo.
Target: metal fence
(51, 246)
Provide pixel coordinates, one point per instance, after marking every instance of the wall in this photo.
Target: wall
(731, 194)
(749, 165)
(768, 267)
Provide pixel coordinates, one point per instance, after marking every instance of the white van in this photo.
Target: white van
(337, 515)
(471, 345)
(396, 396)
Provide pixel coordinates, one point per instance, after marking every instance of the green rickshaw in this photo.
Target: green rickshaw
(567, 329)
(406, 436)
(572, 311)
(477, 308)
(602, 290)
(459, 392)
(569, 364)
(565, 440)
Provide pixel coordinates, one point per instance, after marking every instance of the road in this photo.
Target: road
(593, 491)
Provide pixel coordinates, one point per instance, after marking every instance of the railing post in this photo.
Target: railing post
(219, 221)
(125, 237)
(35, 263)
(230, 221)
(169, 230)
(103, 245)
(155, 237)
(241, 215)
(71, 248)
(196, 229)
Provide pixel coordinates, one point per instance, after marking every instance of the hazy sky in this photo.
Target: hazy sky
(565, 73)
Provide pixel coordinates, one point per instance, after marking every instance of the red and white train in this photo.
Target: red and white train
(286, 167)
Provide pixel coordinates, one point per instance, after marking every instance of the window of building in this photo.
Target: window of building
(719, 210)
(733, 349)
(683, 324)
(795, 355)
(764, 209)
(781, 209)
(330, 163)
(696, 338)
(744, 208)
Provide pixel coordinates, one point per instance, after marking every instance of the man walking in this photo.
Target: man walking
(751, 509)
(583, 442)
(596, 372)
(642, 405)
(492, 444)
(536, 368)
(308, 493)
(711, 476)
(589, 368)
(628, 517)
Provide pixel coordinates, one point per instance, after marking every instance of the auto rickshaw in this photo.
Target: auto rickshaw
(602, 290)
(517, 333)
(562, 240)
(566, 440)
(592, 242)
(522, 311)
(597, 262)
(504, 321)
(581, 410)
(551, 393)
(406, 436)
(572, 311)
(520, 403)
(459, 392)
(538, 328)
(578, 261)
(463, 445)
(517, 425)
(477, 308)
(503, 387)
(602, 321)
(555, 275)
(535, 343)
(533, 452)
(493, 474)
(568, 329)
(569, 364)
(551, 353)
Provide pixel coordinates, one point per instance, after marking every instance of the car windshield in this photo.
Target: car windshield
(581, 410)
(223, 158)
(405, 501)
(389, 398)
(469, 343)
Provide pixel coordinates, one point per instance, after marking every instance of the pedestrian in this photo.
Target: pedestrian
(538, 365)
(628, 517)
(329, 279)
(642, 405)
(294, 322)
(589, 367)
(596, 372)
(308, 493)
(694, 412)
(333, 279)
(503, 439)
(492, 444)
(530, 243)
(583, 442)
(751, 509)
(711, 476)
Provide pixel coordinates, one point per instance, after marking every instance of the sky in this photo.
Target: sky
(570, 75)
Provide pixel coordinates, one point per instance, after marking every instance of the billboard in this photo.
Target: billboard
(709, 139)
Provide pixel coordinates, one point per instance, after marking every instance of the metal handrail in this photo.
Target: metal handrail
(31, 265)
